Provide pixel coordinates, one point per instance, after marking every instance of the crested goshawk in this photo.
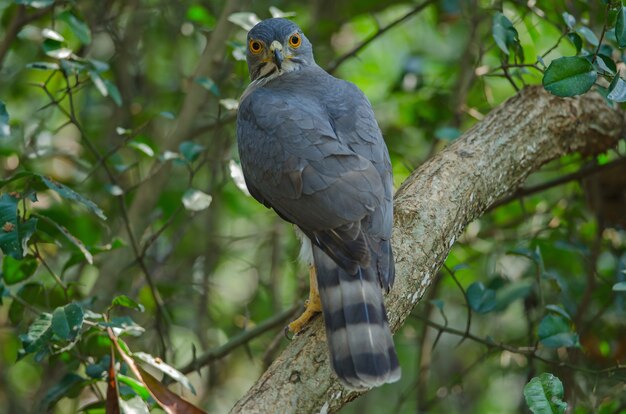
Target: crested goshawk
(311, 149)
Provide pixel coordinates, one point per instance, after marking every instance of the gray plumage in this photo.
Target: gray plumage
(311, 149)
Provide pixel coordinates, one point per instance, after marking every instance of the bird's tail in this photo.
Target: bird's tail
(359, 339)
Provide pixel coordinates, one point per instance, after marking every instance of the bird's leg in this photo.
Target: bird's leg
(312, 306)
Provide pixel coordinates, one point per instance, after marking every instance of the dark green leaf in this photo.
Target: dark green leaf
(559, 310)
(209, 85)
(69, 236)
(503, 32)
(5, 129)
(38, 337)
(165, 368)
(68, 386)
(620, 28)
(481, 299)
(78, 27)
(617, 90)
(56, 49)
(569, 76)
(190, 150)
(555, 332)
(125, 301)
(30, 293)
(576, 40)
(114, 92)
(67, 321)
(606, 64)
(14, 233)
(544, 395)
(15, 271)
(67, 193)
(97, 371)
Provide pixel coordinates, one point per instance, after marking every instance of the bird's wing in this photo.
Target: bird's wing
(295, 163)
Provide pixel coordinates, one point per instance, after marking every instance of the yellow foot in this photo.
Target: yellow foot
(312, 306)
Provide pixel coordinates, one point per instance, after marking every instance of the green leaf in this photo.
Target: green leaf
(69, 194)
(617, 90)
(447, 133)
(503, 32)
(481, 299)
(589, 35)
(569, 76)
(134, 405)
(77, 26)
(620, 28)
(15, 271)
(56, 49)
(125, 301)
(38, 337)
(69, 236)
(544, 395)
(569, 20)
(209, 85)
(69, 386)
(123, 325)
(196, 200)
(67, 321)
(165, 368)
(113, 91)
(190, 150)
(619, 287)
(97, 371)
(43, 66)
(559, 311)
(576, 40)
(199, 14)
(29, 293)
(14, 233)
(555, 332)
(5, 129)
(137, 386)
(605, 63)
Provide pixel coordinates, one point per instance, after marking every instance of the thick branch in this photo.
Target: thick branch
(432, 208)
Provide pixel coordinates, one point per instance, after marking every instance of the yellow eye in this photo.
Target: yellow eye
(295, 40)
(255, 46)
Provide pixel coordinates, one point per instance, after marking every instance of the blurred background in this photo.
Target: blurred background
(132, 106)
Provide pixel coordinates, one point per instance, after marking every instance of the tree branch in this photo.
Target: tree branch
(432, 208)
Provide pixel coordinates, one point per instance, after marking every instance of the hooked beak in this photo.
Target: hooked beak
(277, 51)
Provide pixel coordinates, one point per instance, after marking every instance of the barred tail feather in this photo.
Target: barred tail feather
(359, 339)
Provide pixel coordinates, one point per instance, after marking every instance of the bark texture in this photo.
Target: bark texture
(432, 208)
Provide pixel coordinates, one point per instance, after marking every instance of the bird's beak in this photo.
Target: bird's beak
(277, 51)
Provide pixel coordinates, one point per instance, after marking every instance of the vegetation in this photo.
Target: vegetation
(138, 275)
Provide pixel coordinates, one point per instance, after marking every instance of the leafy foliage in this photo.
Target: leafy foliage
(129, 242)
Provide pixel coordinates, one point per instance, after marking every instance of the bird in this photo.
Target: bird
(311, 149)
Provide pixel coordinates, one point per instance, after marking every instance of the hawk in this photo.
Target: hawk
(311, 149)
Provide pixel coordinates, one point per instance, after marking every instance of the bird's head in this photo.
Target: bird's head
(276, 46)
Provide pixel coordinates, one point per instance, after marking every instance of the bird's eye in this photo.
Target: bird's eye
(295, 40)
(255, 46)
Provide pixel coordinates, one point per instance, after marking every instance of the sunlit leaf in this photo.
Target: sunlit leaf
(134, 405)
(276, 12)
(196, 200)
(617, 90)
(569, 76)
(5, 129)
(38, 337)
(165, 368)
(245, 20)
(589, 35)
(99, 83)
(43, 66)
(606, 64)
(15, 271)
(52, 35)
(544, 395)
(569, 20)
(619, 287)
(123, 325)
(37, 4)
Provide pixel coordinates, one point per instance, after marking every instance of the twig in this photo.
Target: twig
(336, 63)
(238, 340)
